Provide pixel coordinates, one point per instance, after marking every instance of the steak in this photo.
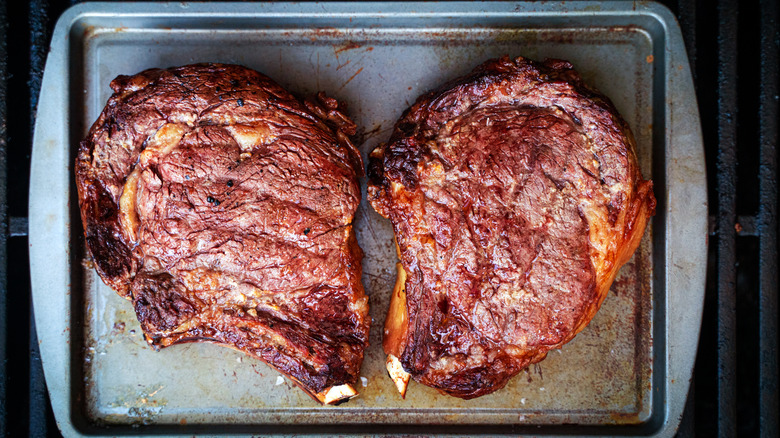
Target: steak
(515, 196)
(222, 207)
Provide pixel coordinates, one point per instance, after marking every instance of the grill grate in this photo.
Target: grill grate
(736, 74)
(767, 219)
(727, 201)
(3, 217)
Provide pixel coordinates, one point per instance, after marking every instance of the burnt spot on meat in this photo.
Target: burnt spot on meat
(112, 254)
(160, 302)
(444, 305)
(113, 258)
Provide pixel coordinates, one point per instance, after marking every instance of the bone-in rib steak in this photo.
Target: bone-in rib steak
(222, 206)
(515, 197)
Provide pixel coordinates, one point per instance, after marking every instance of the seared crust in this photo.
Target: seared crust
(515, 197)
(222, 206)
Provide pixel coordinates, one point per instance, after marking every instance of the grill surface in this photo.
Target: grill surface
(736, 74)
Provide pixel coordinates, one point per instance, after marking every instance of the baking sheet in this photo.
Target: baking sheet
(627, 373)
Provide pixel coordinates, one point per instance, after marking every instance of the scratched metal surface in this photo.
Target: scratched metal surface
(615, 372)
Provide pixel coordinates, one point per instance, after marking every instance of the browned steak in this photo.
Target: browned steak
(515, 197)
(222, 206)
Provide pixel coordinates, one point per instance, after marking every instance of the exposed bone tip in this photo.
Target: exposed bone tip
(397, 373)
(336, 394)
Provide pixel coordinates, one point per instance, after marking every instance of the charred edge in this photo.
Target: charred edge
(161, 306)
(331, 113)
(111, 255)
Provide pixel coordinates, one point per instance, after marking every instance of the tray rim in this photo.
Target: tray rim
(683, 281)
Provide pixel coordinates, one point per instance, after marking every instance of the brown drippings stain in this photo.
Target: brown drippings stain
(351, 77)
(625, 418)
(119, 327)
(349, 45)
(326, 32)
(376, 130)
(88, 31)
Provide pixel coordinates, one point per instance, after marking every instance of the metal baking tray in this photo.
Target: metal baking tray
(627, 373)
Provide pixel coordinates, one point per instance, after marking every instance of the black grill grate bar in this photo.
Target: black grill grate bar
(39, 45)
(687, 16)
(726, 163)
(3, 213)
(17, 226)
(767, 221)
(745, 226)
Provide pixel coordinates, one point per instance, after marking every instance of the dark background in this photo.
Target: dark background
(732, 48)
